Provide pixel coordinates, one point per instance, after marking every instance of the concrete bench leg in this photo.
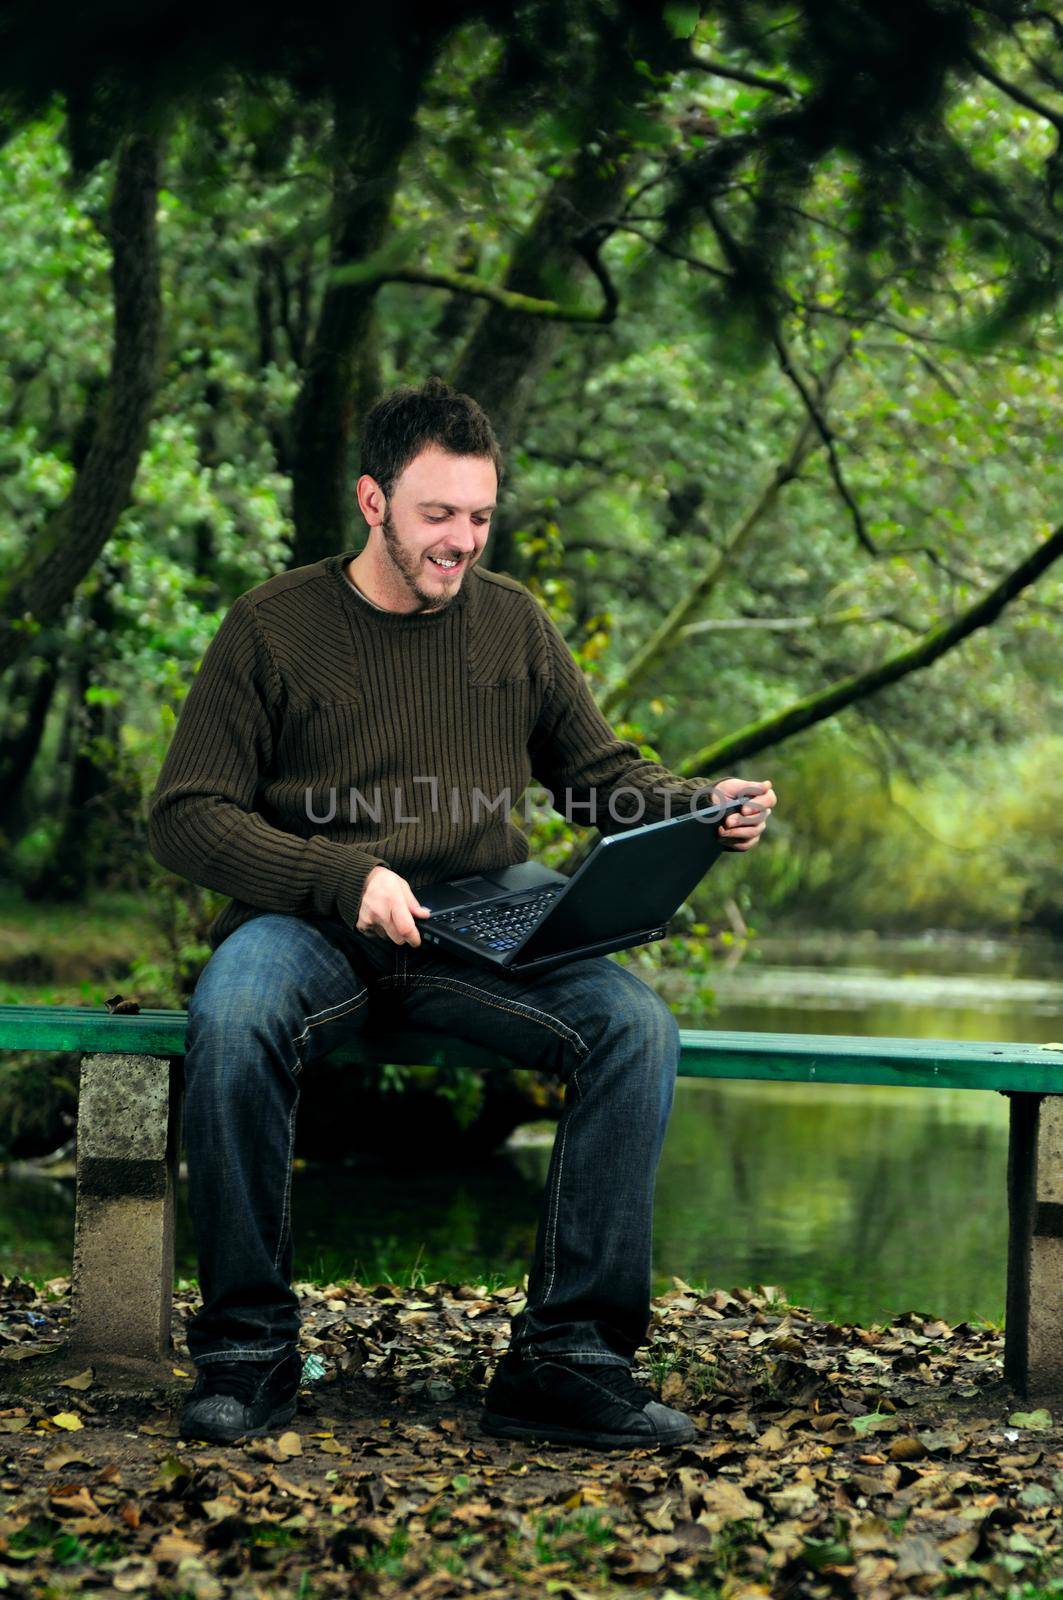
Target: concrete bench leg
(1033, 1352)
(128, 1149)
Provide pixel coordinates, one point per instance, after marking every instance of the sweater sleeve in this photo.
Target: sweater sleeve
(577, 756)
(201, 821)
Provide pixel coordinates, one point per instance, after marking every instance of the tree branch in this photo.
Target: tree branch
(827, 619)
(740, 75)
(482, 289)
(665, 637)
(1022, 97)
(816, 708)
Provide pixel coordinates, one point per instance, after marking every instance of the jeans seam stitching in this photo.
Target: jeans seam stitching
(555, 1207)
(529, 1013)
(250, 1351)
(288, 1180)
(352, 1002)
(604, 1361)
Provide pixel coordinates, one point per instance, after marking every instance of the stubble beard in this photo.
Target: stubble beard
(407, 571)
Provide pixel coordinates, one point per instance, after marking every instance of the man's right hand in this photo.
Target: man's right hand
(389, 907)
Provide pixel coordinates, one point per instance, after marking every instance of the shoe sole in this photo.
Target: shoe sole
(551, 1433)
(283, 1413)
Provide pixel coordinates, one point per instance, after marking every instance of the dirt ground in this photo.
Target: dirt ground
(831, 1460)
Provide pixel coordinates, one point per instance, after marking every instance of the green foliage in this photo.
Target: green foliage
(912, 231)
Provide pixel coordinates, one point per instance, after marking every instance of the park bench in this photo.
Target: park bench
(129, 1141)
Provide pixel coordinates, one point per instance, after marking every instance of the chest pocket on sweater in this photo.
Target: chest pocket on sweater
(317, 739)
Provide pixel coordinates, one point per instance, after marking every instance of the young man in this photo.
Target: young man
(358, 725)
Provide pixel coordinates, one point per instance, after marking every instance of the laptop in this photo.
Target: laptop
(529, 918)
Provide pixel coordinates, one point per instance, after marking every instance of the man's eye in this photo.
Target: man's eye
(435, 519)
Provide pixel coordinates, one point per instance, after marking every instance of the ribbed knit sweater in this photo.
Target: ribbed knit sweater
(323, 736)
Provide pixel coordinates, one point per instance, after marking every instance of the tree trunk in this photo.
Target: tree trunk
(30, 692)
(340, 378)
(58, 558)
(92, 832)
(507, 353)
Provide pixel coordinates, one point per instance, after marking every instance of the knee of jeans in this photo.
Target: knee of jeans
(647, 1023)
(224, 1020)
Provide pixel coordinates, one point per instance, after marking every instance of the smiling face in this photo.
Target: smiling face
(424, 539)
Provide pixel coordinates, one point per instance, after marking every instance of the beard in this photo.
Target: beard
(408, 569)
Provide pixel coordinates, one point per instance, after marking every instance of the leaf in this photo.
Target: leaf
(1031, 1419)
(918, 1557)
(681, 18)
(71, 1500)
(875, 1422)
(174, 1547)
(906, 1448)
(68, 1420)
(219, 1508)
(64, 1455)
(961, 1548)
(132, 1573)
(727, 1501)
(25, 1352)
(173, 1471)
(80, 1380)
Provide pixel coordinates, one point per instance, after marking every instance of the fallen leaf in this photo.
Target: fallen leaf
(918, 1557)
(1031, 1419)
(65, 1455)
(174, 1547)
(132, 1573)
(80, 1380)
(906, 1448)
(72, 1500)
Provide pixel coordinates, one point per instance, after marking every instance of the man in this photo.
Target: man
(349, 733)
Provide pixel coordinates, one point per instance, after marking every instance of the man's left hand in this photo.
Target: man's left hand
(742, 831)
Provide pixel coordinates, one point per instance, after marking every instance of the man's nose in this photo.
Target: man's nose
(465, 536)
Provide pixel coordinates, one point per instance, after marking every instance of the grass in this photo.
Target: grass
(386, 1560)
(65, 1549)
(55, 953)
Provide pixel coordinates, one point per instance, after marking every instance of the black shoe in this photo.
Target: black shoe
(241, 1399)
(568, 1403)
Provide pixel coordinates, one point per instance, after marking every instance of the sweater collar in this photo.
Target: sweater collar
(400, 621)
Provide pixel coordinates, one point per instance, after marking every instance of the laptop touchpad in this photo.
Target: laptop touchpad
(477, 888)
(447, 896)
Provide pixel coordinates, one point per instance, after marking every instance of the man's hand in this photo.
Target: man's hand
(737, 832)
(389, 907)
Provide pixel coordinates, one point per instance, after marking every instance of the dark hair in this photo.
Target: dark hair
(408, 420)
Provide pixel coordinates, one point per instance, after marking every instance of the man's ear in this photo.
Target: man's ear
(372, 502)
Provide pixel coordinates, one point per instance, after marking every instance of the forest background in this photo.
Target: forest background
(761, 299)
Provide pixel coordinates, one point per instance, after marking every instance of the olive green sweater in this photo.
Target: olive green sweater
(323, 736)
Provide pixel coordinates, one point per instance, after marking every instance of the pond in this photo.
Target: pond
(857, 1203)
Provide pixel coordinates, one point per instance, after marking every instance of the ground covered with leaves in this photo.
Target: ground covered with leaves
(831, 1461)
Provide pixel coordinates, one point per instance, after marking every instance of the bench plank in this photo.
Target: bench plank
(707, 1053)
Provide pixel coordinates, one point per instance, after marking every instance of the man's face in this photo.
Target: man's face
(439, 511)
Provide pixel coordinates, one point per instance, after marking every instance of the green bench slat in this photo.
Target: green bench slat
(707, 1053)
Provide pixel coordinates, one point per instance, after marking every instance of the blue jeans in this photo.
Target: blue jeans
(281, 991)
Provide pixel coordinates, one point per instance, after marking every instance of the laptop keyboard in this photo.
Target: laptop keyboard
(501, 927)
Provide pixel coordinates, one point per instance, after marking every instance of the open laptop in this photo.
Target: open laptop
(529, 918)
